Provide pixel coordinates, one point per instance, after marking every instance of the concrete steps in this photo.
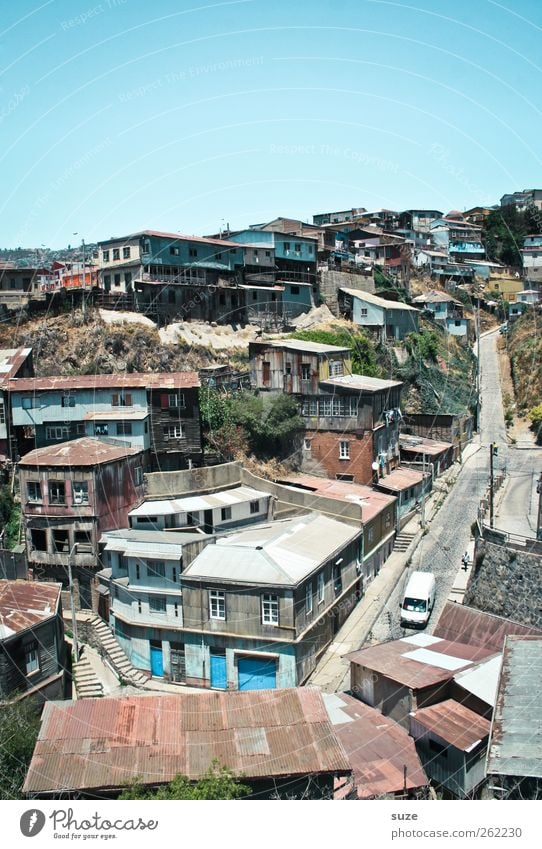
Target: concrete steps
(110, 648)
(402, 541)
(86, 683)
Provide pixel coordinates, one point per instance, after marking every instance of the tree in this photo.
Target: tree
(10, 518)
(19, 726)
(364, 360)
(218, 783)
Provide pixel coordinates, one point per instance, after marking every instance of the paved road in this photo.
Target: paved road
(449, 535)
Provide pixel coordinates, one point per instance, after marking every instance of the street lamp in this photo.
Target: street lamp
(72, 603)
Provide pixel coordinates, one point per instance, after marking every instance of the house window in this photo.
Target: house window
(305, 371)
(157, 604)
(107, 281)
(176, 608)
(39, 539)
(2, 413)
(124, 428)
(254, 507)
(294, 290)
(57, 432)
(105, 256)
(128, 278)
(27, 403)
(138, 573)
(84, 541)
(308, 599)
(321, 588)
(116, 253)
(126, 253)
(217, 604)
(57, 492)
(344, 450)
(101, 429)
(173, 431)
(61, 541)
(387, 519)
(336, 368)
(80, 492)
(174, 575)
(363, 312)
(116, 279)
(121, 399)
(192, 518)
(370, 535)
(270, 609)
(31, 658)
(80, 428)
(138, 475)
(68, 400)
(268, 253)
(297, 246)
(337, 580)
(325, 406)
(286, 246)
(438, 748)
(139, 605)
(225, 514)
(33, 491)
(175, 399)
(192, 252)
(156, 569)
(174, 251)
(457, 323)
(307, 445)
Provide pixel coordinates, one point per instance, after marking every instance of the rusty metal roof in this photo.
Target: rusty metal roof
(515, 746)
(401, 479)
(370, 500)
(95, 744)
(159, 380)
(11, 361)
(26, 603)
(377, 747)
(78, 452)
(460, 623)
(423, 445)
(418, 661)
(454, 723)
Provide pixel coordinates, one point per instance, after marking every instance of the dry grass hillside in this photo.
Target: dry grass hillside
(525, 351)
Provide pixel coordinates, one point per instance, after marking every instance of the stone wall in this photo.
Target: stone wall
(332, 281)
(506, 582)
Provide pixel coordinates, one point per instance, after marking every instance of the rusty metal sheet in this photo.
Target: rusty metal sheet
(454, 723)
(26, 603)
(85, 451)
(461, 624)
(160, 380)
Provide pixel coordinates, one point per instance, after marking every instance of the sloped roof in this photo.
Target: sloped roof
(454, 723)
(94, 744)
(155, 380)
(370, 500)
(460, 623)
(78, 452)
(282, 553)
(361, 383)
(378, 749)
(26, 603)
(379, 302)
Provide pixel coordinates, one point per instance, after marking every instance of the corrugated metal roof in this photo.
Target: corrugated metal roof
(371, 501)
(421, 667)
(454, 723)
(11, 360)
(377, 747)
(282, 553)
(78, 452)
(401, 479)
(225, 498)
(516, 740)
(308, 347)
(361, 383)
(482, 679)
(121, 540)
(159, 380)
(419, 445)
(459, 623)
(26, 603)
(379, 302)
(258, 734)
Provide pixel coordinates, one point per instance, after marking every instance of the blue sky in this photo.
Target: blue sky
(122, 115)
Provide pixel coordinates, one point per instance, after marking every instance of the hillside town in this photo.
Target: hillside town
(304, 542)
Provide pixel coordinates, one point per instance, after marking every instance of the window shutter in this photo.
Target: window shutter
(164, 401)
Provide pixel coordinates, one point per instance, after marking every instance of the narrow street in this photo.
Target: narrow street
(449, 535)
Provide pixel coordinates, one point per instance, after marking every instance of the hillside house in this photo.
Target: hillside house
(296, 367)
(14, 362)
(390, 320)
(71, 493)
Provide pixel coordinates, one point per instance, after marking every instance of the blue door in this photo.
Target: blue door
(257, 673)
(157, 660)
(218, 671)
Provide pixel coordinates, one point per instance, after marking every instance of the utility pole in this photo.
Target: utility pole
(422, 516)
(539, 520)
(492, 451)
(478, 382)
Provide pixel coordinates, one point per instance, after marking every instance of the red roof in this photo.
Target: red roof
(158, 380)
(11, 362)
(457, 622)
(26, 603)
(454, 723)
(400, 479)
(78, 452)
(373, 502)
(378, 749)
(419, 661)
(95, 744)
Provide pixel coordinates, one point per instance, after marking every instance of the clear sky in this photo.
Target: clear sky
(183, 115)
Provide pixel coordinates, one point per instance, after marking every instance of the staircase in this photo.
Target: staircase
(110, 649)
(402, 541)
(86, 682)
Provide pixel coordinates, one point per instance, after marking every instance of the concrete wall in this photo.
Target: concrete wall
(332, 281)
(506, 582)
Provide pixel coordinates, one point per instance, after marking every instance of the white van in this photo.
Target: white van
(418, 599)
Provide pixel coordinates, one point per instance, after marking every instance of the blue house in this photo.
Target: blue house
(390, 319)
